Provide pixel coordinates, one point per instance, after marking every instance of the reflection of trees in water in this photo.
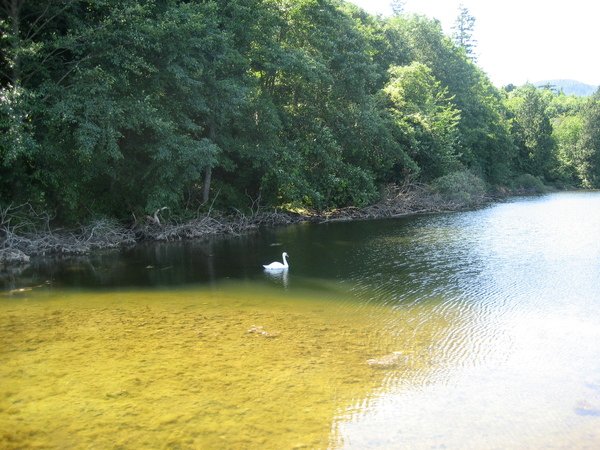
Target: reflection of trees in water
(144, 265)
(12, 276)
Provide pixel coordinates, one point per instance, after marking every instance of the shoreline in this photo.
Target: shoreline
(16, 249)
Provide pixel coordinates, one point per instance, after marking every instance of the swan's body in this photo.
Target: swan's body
(277, 265)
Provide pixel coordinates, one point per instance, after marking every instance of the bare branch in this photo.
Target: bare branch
(24, 232)
(30, 36)
(75, 66)
(38, 19)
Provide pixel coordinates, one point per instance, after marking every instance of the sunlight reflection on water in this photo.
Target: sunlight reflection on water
(524, 276)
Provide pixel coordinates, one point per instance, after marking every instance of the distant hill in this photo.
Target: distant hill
(569, 87)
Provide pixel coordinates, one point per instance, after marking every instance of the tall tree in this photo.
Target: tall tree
(590, 142)
(426, 118)
(484, 141)
(398, 7)
(566, 132)
(463, 29)
(118, 107)
(532, 131)
(30, 53)
(566, 116)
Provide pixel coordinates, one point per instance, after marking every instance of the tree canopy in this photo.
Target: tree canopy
(114, 109)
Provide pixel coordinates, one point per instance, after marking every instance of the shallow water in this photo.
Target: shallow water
(201, 368)
(469, 330)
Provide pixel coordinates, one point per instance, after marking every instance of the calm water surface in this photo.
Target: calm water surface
(468, 330)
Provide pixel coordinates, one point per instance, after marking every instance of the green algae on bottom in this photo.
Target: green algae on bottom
(232, 367)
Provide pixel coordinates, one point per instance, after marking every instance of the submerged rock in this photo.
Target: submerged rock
(117, 394)
(392, 360)
(19, 291)
(261, 332)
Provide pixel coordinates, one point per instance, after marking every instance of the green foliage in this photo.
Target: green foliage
(529, 184)
(425, 116)
(532, 131)
(463, 28)
(566, 132)
(589, 143)
(17, 147)
(462, 187)
(114, 108)
(485, 145)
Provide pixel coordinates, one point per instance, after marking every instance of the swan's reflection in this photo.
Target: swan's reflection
(278, 276)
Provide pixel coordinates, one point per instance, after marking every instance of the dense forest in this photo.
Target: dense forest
(109, 109)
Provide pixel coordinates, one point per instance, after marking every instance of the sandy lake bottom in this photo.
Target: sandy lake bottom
(193, 368)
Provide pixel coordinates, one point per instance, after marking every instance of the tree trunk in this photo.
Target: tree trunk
(14, 10)
(212, 133)
(206, 187)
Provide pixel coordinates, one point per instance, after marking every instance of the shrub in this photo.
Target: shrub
(530, 184)
(460, 187)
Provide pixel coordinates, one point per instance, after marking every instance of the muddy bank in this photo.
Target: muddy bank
(17, 247)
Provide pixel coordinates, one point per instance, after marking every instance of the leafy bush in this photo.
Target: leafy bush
(460, 187)
(530, 184)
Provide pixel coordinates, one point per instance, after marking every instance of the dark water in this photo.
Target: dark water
(498, 308)
(335, 251)
(401, 258)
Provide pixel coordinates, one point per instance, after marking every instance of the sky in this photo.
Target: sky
(521, 41)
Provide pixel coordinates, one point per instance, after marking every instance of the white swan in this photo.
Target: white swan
(277, 265)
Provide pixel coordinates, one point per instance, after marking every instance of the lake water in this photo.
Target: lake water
(468, 330)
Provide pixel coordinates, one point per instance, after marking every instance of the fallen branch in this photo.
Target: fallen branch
(399, 201)
(24, 233)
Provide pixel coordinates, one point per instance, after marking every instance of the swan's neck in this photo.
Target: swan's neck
(285, 263)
